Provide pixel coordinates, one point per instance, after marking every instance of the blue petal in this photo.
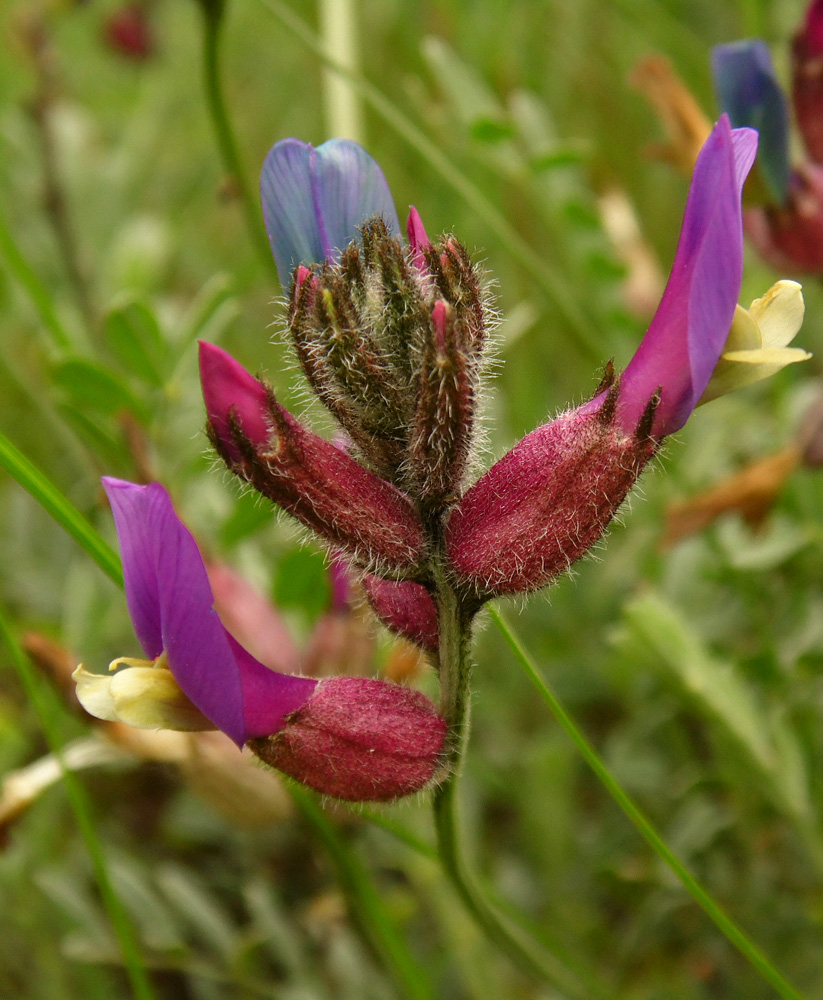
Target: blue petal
(314, 200)
(747, 89)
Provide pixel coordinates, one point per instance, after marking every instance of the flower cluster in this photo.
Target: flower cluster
(393, 340)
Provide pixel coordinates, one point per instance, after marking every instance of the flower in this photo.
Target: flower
(350, 737)
(748, 91)
(547, 501)
(314, 199)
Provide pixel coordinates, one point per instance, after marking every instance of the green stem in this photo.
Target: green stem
(39, 486)
(212, 25)
(366, 903)
(724, 923)
(47, 711)
(455, 675)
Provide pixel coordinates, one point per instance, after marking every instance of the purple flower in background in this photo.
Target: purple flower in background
(785, 220)
(314, 200)
(350, 737)
(748, 91)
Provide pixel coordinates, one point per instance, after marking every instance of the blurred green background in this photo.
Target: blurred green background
(696, 670)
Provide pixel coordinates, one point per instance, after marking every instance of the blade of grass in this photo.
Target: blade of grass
(40, 487)
(48, 709)
(548, 280)
(34, 288)
(722, 921)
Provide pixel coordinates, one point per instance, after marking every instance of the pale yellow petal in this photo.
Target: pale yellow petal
(94, 694)
(778, 313)
(736, 369)
(745, 334)
(144, 697)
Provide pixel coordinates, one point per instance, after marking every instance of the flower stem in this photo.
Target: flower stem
(725, 924)
(212, 25)
(455, 675)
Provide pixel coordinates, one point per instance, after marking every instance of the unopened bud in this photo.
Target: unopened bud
(546, 502)
(359, 740)
(404, 607)
(440, 445)
(391, 340)
(310, 478)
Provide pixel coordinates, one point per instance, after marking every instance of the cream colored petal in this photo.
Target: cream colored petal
(94, 694)
(143, 697)
(745, 334)
(739, 368)
(778, 313)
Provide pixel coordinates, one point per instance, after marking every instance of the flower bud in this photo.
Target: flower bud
(406, 608)
(546, 502)
(312, 479)
(392, 342)
(359, 740)
(441, 439)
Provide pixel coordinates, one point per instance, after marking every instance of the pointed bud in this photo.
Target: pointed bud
(807, 80)
(308, 477)
(440, 445)
(419, 242)
(546, 502)
(359, 740)
(406, 608)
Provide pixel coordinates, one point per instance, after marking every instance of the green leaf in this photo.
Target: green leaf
(90, 386)
(134, 338)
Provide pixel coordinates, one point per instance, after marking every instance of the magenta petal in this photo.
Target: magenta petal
(418, 240)
(227, 388)
(689, 329)
(268, 697)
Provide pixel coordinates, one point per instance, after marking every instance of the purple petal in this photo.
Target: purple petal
(135, 510)
(747, 89)
(689, 329)
(314, 200)
(170, 598)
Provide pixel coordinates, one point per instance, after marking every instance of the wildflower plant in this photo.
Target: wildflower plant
(393, 339)
(393, 328)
